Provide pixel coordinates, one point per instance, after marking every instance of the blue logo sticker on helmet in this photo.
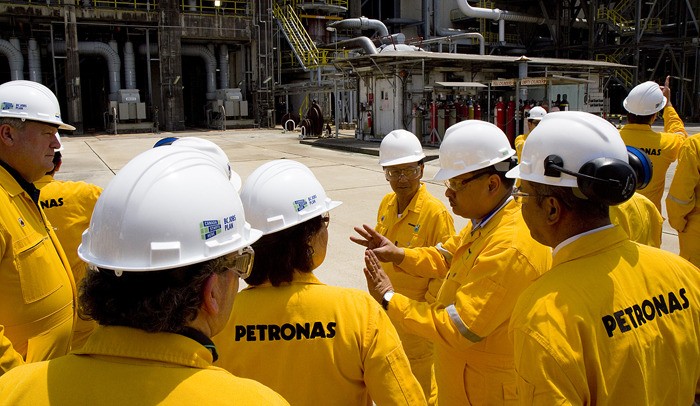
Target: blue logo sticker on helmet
(300, 205)
(209, 228)
(7, 105)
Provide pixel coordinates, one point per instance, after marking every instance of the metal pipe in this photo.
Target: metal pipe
(362, 23)
(496, 14)
(34, 61)
(360, 42)
(14, 56)
(451, 34)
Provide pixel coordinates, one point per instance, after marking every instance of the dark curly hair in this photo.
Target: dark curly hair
(157, 301)
(279, 254)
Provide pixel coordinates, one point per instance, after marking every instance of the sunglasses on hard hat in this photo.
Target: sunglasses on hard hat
(240, 262)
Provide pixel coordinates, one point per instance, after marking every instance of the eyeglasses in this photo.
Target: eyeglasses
(241, 262)
(326, 219)
(519, 195)
(408, 173)
(457, 185)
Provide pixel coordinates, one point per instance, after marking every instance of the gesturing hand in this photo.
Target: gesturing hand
(378, 282)
(382, 247)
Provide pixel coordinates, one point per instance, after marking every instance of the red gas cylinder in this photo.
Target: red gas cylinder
(477, 110)
(464, 111)
(499, 114)
(369, 120)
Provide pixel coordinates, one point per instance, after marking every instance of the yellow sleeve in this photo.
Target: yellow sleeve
(482, 304)
(425, 262)
(9, 358)
(682, 199)
(388, 373)
(673, 122)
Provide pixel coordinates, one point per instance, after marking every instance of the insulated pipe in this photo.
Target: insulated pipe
(14, 56)
(496, 14)
(452, 34)
(360, 42)
(399, 38)
(129, 66)
(362, 23)
(209, 60)
(34, 61)
(223, 66)
(99, 48)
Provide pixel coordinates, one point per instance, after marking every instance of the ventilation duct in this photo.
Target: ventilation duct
(104, 50)
(14, 56)
(223, 66)
(209, 61)
(34, 61)
(129, 66)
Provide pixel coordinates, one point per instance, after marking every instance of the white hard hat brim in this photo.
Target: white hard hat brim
(401, 161)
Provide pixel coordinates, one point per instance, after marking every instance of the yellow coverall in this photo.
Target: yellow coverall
(640, 219)
(613, 322)
(68, 206)
(683, 200)
(424, 223)
(519, 143)
(469, 321)
(37, 291)
(662, 149)
(126, 366)
(317, 344)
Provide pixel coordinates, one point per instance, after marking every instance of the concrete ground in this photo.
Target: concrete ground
(347, 168)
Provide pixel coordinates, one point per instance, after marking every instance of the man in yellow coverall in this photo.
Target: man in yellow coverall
(310, 342)
(68, 206)
(683, 200)
(411, 217)
(485, 268)
(643, 103)
(533, 118)
(37, 291)
(166, 270)
(613, 322)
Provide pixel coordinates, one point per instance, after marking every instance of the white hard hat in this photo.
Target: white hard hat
(59, 149)
(645, 99)
(216, 152)
(167, 208)
(471, 145)
(575, 136)
(282, 193)
(400, 147)
(536, 113)
(33, 101)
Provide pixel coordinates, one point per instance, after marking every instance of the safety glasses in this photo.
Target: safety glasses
(396, 173)
(241, 262)
(457, 184)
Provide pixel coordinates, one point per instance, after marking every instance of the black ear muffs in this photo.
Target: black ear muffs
(643, 168)
(606, 180)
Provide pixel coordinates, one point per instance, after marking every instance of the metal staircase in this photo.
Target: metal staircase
(304, 48)
(624, 76)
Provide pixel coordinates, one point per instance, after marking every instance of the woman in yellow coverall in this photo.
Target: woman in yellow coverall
(411, 217)
(164, 282)
(485, 268)
(312, 343)
(683, 200)
(613, 322)
(643, 103)
(68, 206)
(37, 290)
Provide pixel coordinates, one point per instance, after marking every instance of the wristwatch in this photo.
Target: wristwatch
(386, 298)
